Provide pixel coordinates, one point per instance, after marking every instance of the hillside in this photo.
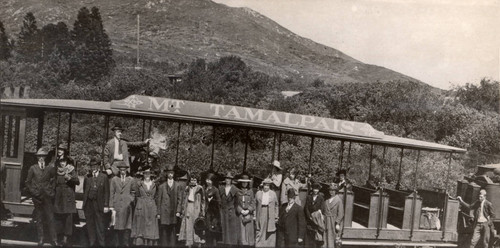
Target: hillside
(179, 31)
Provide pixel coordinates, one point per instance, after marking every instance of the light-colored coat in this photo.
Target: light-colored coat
(145, 222)
(189, 215)
(273, 211)
(334, 215)
(121, 198)
(289, 184)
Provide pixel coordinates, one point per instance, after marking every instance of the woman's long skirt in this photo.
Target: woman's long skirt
(247, 233)
(187, 232)
(265, 238)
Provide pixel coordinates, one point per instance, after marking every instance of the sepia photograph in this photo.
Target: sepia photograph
(250, 123)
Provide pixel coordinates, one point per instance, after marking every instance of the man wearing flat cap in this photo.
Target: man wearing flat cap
(292, 222)
(117, 150)
(41, 185)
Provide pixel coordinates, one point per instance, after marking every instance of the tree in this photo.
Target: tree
(56, 37)
(5, 44)
(93, 58)
(29, 45)
(485, 97)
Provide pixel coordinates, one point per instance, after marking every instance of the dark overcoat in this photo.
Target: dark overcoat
(41, 183)
(121, 199)
(64, 202)
(102, 190)
(292, 225)
(167, 200)
(311, 207)
(229, 220)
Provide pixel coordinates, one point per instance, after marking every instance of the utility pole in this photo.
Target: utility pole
(137, 66)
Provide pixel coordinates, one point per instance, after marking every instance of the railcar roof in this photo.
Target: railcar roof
(98, 107)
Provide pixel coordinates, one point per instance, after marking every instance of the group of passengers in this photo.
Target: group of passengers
(170, 207)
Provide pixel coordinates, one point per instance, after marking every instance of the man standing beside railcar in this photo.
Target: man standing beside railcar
(95, 203)
(117, 150)
(483, 216)
(41, 185)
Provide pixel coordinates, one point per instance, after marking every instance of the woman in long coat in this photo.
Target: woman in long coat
(333, 210)
(121, 198)
(266, 215)
(212, 202)
(64, 202)
(246, 208)
(145, 227)
(229, 219)
(192, 207)
(313, 206)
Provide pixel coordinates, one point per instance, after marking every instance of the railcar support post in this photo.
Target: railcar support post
(149, 134)
(348, 164)
(106, 133)
(370, 168)
(446, 197)
(311, 154)
(213, 149)
(69, 131)
(58, 128)
(415, 184)
(2, 131)
(398, 185)
(39, 138)
(143, 128)
(274, 147)
(341, 156)
(246, 151)
(279, 147)
(178, 142)
(382, 174)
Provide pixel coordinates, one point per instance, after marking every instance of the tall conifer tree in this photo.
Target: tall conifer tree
(29, 45)
(5, 45)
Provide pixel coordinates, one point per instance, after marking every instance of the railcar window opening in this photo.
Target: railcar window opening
(260, 151)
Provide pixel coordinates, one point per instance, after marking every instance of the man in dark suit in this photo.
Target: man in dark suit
(483, 216)
(96, 203)
(292, 222)
(41, 185)
(117, 150)
(167, 199)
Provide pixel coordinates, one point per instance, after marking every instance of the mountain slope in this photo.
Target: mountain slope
(182, 30)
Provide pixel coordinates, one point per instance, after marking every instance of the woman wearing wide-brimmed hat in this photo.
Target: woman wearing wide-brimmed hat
(267, 212)
(229, 219)
(333, 210)
(145, 223)
(245, 210)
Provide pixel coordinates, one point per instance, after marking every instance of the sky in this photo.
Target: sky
(440, 42)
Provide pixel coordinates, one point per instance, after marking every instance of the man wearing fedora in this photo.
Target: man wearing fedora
(229, 220)
(167, 200)
(117, 150)
(95, 203)
(291, 222)
(41, 185)
(120, 200)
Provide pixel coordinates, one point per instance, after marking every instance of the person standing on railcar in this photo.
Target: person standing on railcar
(41, 185)
(116, 150)
(167, 199)
(65, 204)
(121, 200)
(291, 182)
(95, 203)
(246, 208)
(333, 210)
(229, 219)
(277, 177)
(484, 213)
